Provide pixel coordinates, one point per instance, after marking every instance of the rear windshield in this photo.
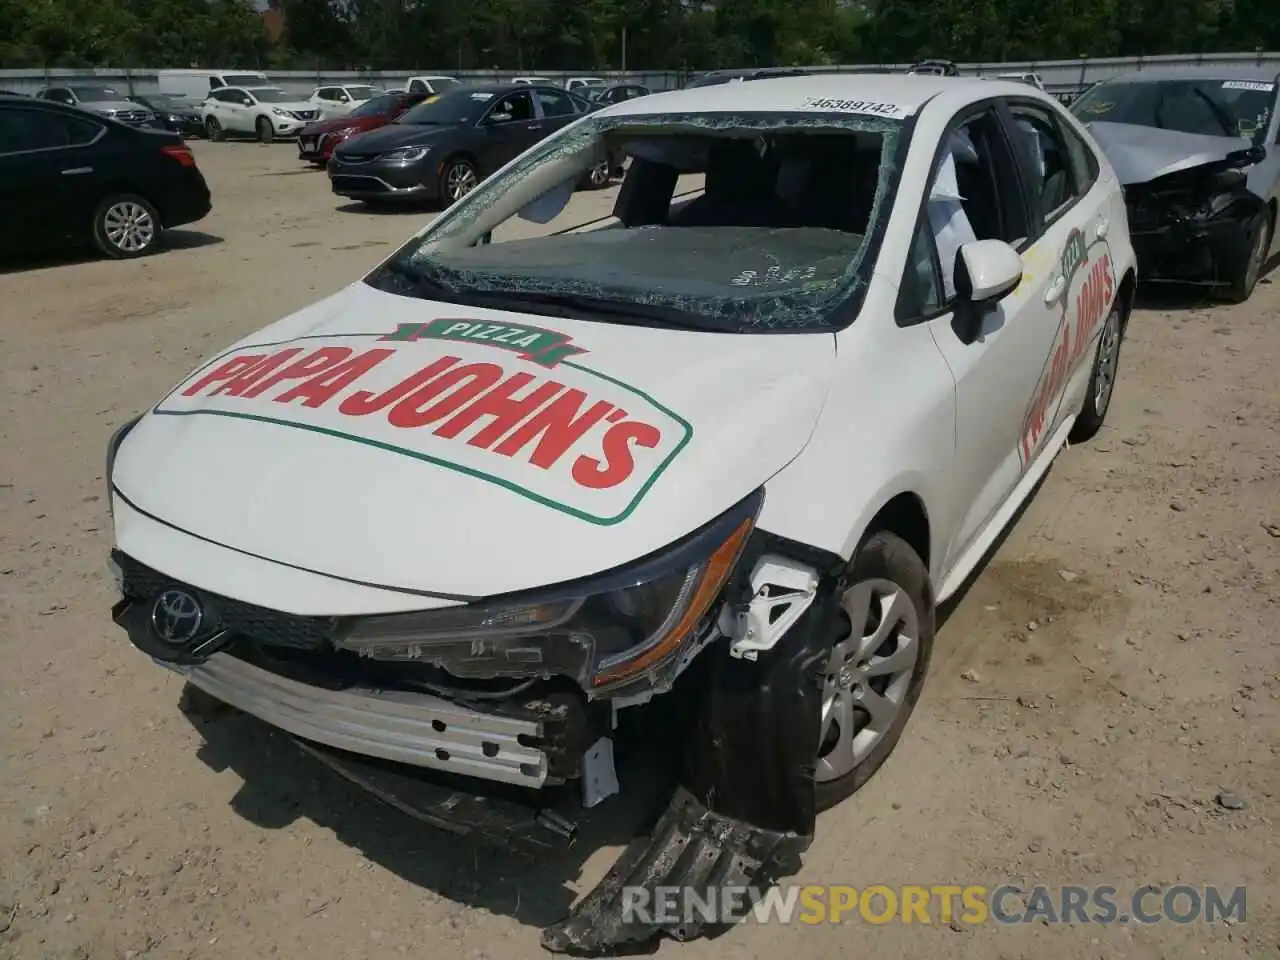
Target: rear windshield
(1210, 107)
(727, 223)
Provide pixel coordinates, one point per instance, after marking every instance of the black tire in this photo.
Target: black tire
(457, 170)
(126, 226)
(1106, 364)
(265, 132)
(885, 557)
(213, 129)
(1249, 270)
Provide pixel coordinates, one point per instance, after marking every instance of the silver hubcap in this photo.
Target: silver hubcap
(129, 226)
(868, 675)
(1108, 355)
(600, 175)
(461, 180)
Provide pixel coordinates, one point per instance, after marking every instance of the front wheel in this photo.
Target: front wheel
(598, 177)
(457, 179)
(1102, 379)
(213, 129)
(126, 226)
(1241, 286)
(265, 131)
(877, 665)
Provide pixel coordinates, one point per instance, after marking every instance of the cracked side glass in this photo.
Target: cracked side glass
(728, 222)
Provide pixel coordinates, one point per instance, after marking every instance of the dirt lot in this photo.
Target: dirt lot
(1111, 671)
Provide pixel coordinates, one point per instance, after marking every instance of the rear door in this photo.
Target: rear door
(1070, 260)
(49, 180)
(556, 109)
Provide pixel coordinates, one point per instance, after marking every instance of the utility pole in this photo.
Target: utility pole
(624, 49)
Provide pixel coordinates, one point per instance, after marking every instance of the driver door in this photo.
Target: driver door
(976, 194)
(510, 127)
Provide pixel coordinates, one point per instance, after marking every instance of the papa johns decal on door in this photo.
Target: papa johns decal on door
(557, 432)
(1086, 298)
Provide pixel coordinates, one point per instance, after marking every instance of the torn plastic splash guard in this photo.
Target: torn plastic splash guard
(691, 847)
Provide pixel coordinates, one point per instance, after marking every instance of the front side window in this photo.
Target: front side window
(1209, 107)
(513, 108)
(725, 222)
(974, 194)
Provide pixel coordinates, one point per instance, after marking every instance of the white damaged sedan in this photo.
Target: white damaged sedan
(537, 493)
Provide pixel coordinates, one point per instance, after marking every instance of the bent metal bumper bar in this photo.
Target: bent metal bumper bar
(405, 727)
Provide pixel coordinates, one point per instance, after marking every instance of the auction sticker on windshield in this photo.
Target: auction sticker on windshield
(1259, 85)
(497, 402)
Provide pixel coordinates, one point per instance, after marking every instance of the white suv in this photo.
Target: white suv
(340, 100)
(265, 112)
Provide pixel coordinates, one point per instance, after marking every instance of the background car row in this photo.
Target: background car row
(1197, 149)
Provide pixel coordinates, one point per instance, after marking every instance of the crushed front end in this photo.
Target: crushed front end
(503, 720)
(1194, 225)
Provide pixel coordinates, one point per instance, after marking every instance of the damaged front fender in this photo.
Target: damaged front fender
(747, 809)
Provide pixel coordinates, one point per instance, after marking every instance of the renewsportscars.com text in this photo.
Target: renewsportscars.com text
(968, 904)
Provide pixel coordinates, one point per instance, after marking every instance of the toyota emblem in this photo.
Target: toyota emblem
(177, 617)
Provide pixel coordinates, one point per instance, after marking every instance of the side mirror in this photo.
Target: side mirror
(498, 118)
(343, 98)
(986, 272)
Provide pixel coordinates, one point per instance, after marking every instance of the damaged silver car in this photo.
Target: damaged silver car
(1198, 152)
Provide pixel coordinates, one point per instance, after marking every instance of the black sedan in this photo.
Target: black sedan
(68, 177)
(173, 113)
(441, 149)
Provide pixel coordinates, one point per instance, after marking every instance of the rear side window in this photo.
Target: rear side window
(25, 130)
(555, 104)
(1046, 159)
(1084, 163)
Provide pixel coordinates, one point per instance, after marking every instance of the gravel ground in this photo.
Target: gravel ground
(1109, 674)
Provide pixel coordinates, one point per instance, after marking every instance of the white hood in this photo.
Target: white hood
(638, 436)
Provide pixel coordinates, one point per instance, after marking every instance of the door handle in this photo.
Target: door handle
(1100, 231)
(76, 171)
(1056, 286)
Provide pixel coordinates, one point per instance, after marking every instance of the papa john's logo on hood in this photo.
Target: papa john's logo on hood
(560, 434)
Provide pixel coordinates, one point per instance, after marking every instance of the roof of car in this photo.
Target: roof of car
(1223, 71)
(904, 94)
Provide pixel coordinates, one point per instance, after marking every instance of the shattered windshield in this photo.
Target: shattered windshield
(1208, 107)
(724, 222)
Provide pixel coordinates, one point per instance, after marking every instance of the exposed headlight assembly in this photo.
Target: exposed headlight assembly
(620, 629)
(405, 154)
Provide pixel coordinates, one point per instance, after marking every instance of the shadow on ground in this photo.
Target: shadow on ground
(1170, 296)
(177, 239)
(282, 783)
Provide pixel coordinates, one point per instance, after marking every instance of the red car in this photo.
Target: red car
(317, 140)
